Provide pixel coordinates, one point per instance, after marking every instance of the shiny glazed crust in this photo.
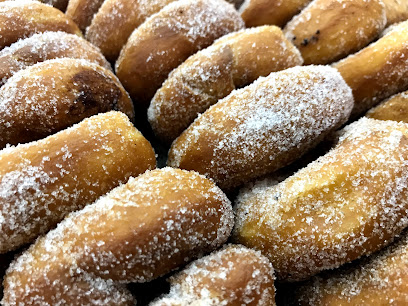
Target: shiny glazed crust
(233, 61)
(41, 182)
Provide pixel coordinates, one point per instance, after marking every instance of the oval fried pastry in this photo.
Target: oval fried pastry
(233, 61)
(378, 280)
(167, 39)
(83, 11)
(41, 182)
(395, 108)
(349, 203)
(379, 70)
(53, 95)
(45, 46)
(23, 18)
(261, 12)
(328, 30)
(139, 231)
(234, 275)
(115, 21)
(264, 126)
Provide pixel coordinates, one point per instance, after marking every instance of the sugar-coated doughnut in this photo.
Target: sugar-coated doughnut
(115, 21)
(168, 38)
(233, 61)
(23, 18)
(349, 203)
(43, 181)
(264, 126)
(139, 231)
(260, 12)
(59, 4)
(379, 70)
(45, 46)
(83, 11)
(395, 108)
(328, 30)
(234, 275)
(53, 95)
(378, 280)
(396, 10)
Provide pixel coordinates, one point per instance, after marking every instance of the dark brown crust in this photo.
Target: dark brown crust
(82, 11)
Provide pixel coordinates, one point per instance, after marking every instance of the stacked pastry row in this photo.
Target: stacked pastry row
(164, 218)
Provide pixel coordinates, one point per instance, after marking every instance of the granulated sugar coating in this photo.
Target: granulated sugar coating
(234, 275)
(116, 20)
(264, 126)
(168, 38)
(41, 182)
(233, 61)
(139, 231)
(378, 280)
(348, 203)
(50, 96)
(23, 18)
(45, 46)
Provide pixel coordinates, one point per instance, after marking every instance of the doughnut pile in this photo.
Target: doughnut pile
(203, 152)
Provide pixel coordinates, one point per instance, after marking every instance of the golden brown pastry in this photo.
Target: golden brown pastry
(396, 10)
(139, 231)
(260, 12)
(379, 70)
(53, 95)
(83, 11)
(41, 182)
(264, 126)
(115, 21)
(395, 108)
(23, 18)
(234, 275)
(167, 39)
(328, 30)
(45, 46)
(349, 203)
(378, 280)
(233, 61)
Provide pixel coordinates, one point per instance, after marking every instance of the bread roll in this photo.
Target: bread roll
(260, 12)
(379, 70)
(264, 126)
(395, 108)
(115, 21)
(53, 95)
(139, 231)
(83, 11)
(233, 61)
(328, 30)
(349, 203)
(234, 275)
(378, 280)
(45, 46)
(167, 39)
(41, 182)
(23, 18)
